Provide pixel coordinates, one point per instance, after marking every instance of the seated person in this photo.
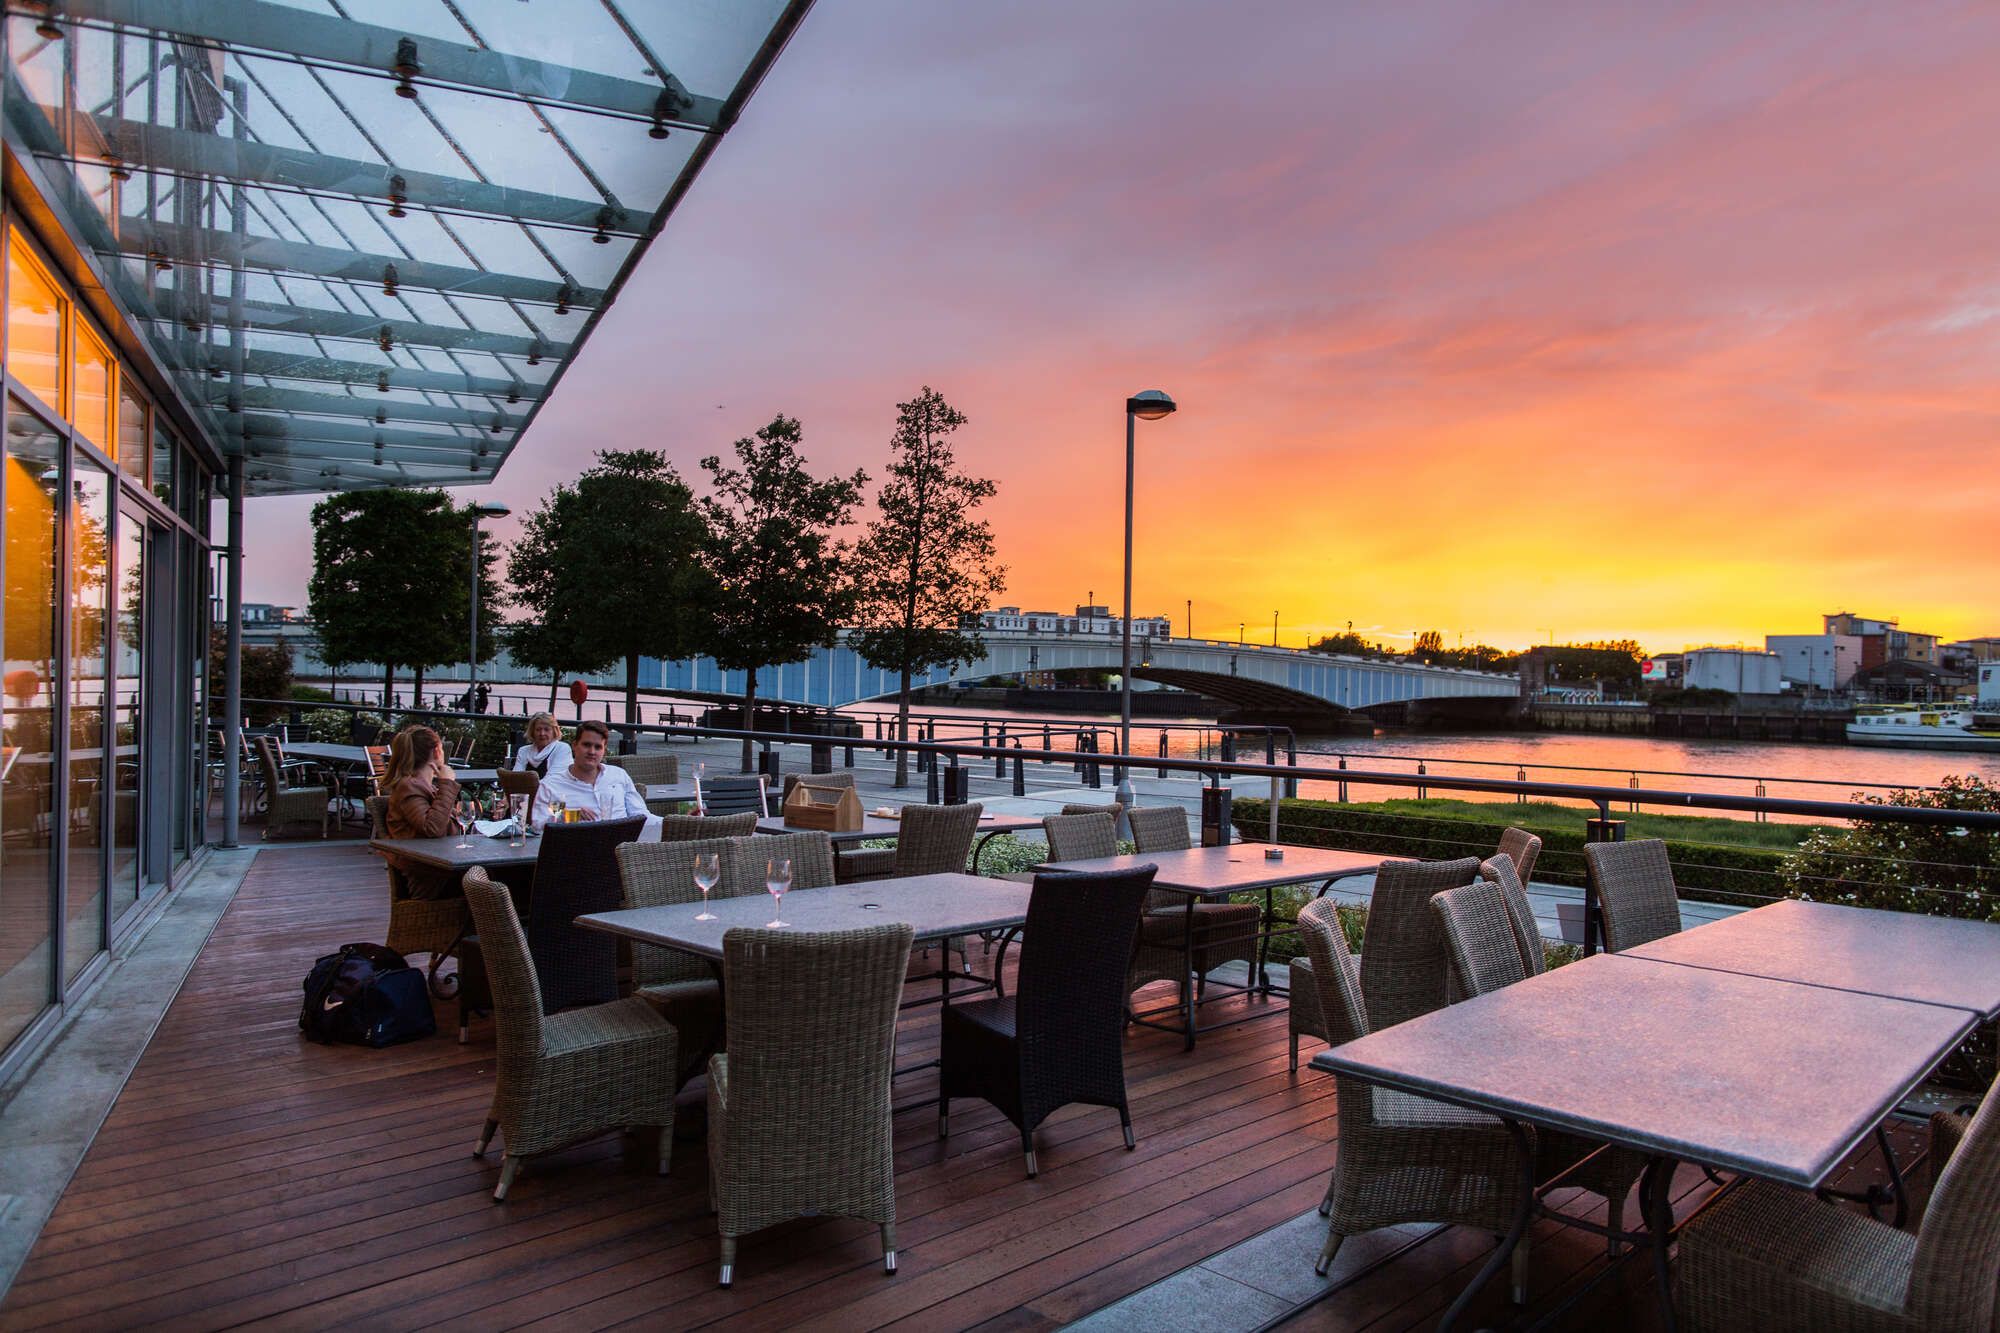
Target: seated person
(591, 787)
(423, 795)
(545, 750)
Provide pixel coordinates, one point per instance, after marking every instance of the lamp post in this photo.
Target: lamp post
(484, 509)
(1150, 405)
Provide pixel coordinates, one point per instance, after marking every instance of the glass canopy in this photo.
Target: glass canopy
(366, 237)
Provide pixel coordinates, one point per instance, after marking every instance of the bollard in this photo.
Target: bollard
(1343, 785)
(1163, 749)
(848, 752)
(1228, 747)
(1093, 776)
(931, 784)
(1000, 760)
(1020, 771)
(1216, 830)
(957, 784)
(769, 763)
(628, 741)
(822, 757)
(1048, 743)
(924, 764)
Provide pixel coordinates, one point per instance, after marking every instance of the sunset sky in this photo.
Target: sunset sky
(1673, 322)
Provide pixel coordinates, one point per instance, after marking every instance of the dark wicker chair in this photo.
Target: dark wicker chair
(430, 926)
(733, 796)
(576, 871)
(648, 768)
(564, 1077)
(799, 1114)
(1081, 837)
(1767, 1257)
(1523, 849)
(519, 782)
(1224, 932)
(1635, 891)
(934, 840)
(811, 855)
(1060, 1037)
(1405, 1158)
(687, 990)
(309, 802)
(694, 828)
(1499, 871)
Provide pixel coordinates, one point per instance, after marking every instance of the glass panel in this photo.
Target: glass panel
(34, 324)
(33, 473)
(90, 764)
(165, 451)
(128, 647)
(131, 452)
(93, 388)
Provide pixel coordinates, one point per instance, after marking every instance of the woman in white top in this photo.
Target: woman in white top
(592, 788)
(546, 750)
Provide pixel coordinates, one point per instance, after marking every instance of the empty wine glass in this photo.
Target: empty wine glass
(777, 878)
(468, 810)
(707, 874)
(517, 812)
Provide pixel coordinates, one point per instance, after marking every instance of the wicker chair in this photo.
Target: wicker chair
(1773, 1258)
(569, 1076)
(307, 803)
(647, 768)
(693, 828)
(416, 925)
(684, 988)
(1499, 871)
(1482, 936)
(1224, 932)
(1081, 837)
(811, 855)
(576, 871)
(1947, 1132)
(733, 796)
(935, 840)
(1112, 808)
(1523, 849)
(519, 782)
(1059, 1038)
(798, 1110)
(1635, 891)
(1405, 1158)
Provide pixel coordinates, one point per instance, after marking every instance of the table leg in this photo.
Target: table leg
(1187, 971)
(1524, 1212)
(1656, 1205)
(1264, 945)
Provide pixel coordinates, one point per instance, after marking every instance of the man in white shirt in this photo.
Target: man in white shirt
(591, 787)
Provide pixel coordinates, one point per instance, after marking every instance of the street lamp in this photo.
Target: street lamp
(483, 509)
(1150, 405)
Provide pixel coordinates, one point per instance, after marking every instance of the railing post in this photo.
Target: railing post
(1635, 787)
(1601, 829)
(1421, 770)
(1343, 784)
(1520, 775)
(1292, 760)
(1000, 760)
(930, 778)
(1228, 747)
(1763, 816)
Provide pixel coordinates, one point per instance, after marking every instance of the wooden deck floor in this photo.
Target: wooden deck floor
(246, 1175)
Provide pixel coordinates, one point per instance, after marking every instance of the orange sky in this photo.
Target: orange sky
(1674, 323)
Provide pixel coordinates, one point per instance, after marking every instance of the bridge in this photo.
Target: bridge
(1259, 679)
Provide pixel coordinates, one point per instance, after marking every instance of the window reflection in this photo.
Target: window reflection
(93, 389)
(34, 324)
(89, 762)
(127, 647)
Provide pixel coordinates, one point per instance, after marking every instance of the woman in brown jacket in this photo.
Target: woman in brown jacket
(423, 796)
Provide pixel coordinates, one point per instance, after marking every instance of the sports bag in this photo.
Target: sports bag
(366, 995)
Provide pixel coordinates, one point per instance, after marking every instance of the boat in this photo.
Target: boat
(1935, 726)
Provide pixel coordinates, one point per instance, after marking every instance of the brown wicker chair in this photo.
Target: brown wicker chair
(1405, 1158)
(1767, 1257)
(648, 768)
(1635, 891)
(1224, 932)
(934, 840)
(576, 871)
(1081, 837)
(416, 925)
(1499, 871)
(307, 803)
(1947, 1132)
(684, 988)
(799, 1115)
(1482, 936)
(1060, 1037)
(1112, 808)
(569, 1076)
(1523, 849)
(519, 782)
(699, 828)
(811, 855)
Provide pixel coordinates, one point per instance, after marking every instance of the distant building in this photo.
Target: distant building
(1662, 669)
(1906, 681)
(1882, 640)
(1737, 670)
(263, 613)
(1986, 649)
(1084, 620)
(1817, 661)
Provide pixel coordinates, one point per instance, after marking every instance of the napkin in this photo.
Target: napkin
(493, 828)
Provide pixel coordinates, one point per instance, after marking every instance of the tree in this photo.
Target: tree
(390, 582)
(1428, 646)
(780, 590)
(267, 671)
(612, 568)
(925, 566)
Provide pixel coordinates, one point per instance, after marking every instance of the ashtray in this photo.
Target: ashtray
(1274, 853)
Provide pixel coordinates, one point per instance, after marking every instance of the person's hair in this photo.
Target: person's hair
(540, 718)
(410, 754)
(596, 728)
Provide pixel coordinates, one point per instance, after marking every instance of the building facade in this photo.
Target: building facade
(1817, 661)
(1883, 641)
(1737, 670)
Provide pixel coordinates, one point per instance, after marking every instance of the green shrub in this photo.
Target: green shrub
(329, 726)
(1934, 869)
(309, 694)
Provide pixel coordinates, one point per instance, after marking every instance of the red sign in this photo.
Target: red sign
(578, 692)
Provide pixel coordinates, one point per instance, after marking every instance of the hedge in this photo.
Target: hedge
(1702, 871)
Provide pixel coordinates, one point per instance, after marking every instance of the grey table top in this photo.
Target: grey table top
(325, 751)
(1937, 960)
(1237, 868)
(446, 854)
(935, 906)
(873, 826)
(1771, 1078)
(668, 791)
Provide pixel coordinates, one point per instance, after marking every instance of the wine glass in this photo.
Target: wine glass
(555, 810)
(777, 878)
(707, 874)
(468, 810)
(517, 812)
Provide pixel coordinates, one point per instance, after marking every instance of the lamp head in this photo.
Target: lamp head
(1150, 405)
(490, 509)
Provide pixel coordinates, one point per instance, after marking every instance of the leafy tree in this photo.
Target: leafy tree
(1930, 868)
(925, 566)
(1428, 646)
(267, 672)
(389, 582)
(611, 567)
(1347, 644)
(780, 590)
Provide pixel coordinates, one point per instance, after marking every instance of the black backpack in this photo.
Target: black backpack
(367, 995)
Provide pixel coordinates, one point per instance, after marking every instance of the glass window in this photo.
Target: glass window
(27, 698)
(91, 764)
(93, 388)
(130, 450)
(35, 309)
(165, 451)
(127, 647)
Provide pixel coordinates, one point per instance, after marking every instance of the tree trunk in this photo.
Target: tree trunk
(388, 689)
(632, 696)
(749, 714)
(417, 692)
(554, 677)
(903, 729)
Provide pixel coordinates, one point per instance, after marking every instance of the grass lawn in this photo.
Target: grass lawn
(1545, 817)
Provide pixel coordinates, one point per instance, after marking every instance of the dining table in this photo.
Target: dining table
(878, 828)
